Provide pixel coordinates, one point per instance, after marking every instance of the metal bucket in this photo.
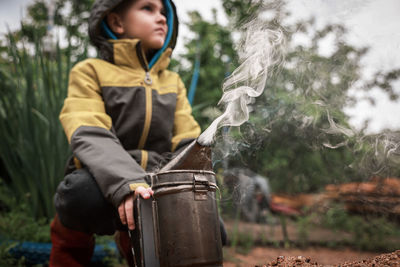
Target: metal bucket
(186, 218)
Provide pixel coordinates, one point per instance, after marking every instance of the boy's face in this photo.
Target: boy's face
(144, 19)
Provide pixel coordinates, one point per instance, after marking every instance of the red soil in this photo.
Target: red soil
(311, 257)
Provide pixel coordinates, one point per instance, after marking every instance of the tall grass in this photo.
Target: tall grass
(33, 145)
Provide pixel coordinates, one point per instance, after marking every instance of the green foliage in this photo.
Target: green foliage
(113, 257)
(213, 46)
(368, 233)
(38, 13)
(245, 242)
(241, 11)
(304, 225)
(69, 16)
(6, 259)
(19, 225)
(298, 134)
(33, 144)
(16, 222)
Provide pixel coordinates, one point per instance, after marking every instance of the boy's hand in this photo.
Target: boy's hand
(125, 209)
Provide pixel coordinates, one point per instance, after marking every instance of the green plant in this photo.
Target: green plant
(6, 259)
(17, 224)
(34, 147)
(286, 240)
(245, 242)
(374, 233)
(304, 225)
(368, 232)
(113, 257)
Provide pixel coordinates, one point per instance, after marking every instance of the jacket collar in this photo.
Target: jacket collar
(128, 52)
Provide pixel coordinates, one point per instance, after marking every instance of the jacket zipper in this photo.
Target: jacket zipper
(148, 81)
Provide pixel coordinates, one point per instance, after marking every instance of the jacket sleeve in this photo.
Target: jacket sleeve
(88, 129)
(185, 126)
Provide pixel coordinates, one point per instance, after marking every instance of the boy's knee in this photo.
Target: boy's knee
(81, 205)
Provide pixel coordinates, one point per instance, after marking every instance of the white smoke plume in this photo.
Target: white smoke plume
(259, 50)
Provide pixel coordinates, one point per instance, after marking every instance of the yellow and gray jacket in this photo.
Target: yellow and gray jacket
(121, 113)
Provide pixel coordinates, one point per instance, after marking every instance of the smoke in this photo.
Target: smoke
(304, 103)
(336, 129)
(380, 153)
(259, 50)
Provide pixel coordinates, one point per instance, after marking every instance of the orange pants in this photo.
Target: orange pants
(75, 249)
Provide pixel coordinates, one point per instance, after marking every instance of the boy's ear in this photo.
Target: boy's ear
(114, 21)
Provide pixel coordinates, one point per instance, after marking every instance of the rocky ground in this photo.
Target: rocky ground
(384, 260)
(316, 256)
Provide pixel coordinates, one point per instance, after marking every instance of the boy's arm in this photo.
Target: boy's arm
(185, 126)
(88, 129)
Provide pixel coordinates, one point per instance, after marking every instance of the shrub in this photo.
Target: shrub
(33, 145)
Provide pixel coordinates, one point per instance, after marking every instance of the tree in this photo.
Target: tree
(298, 134)
(69, 16)
(213, 47)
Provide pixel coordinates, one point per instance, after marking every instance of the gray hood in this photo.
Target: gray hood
(98, 37)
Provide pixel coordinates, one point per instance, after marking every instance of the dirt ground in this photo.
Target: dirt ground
(260, 256)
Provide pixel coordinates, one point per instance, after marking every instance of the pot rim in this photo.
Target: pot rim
(184, 171)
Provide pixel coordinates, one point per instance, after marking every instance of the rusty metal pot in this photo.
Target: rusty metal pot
(186, 218)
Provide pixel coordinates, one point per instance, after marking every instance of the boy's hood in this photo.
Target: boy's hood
(97, 36)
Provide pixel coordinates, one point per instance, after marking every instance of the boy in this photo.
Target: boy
(122, 113)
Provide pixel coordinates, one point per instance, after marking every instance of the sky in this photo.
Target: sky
(373, 23)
